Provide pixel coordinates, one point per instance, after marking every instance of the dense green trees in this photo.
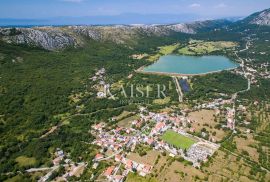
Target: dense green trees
(211, 85)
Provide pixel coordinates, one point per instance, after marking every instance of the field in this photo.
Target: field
(177, 140)
(205, 119)
(123, 115)
(178, 171)
(164, 50)
(248, 147)
(25, 161)
(168, 49)
(200, 47)
(133, 177)
(149, 158)
(127, 121)
(162, 101)
(166, 168)
(227, 167)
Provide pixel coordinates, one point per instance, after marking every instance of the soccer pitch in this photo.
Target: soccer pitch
(177, 140)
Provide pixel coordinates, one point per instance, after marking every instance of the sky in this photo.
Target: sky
(206, 9)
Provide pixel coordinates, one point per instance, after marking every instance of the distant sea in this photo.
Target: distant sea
(122, 19)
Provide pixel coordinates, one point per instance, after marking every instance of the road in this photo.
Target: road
(234, 97)
(40, 169)
(111, 156)
(178, 88)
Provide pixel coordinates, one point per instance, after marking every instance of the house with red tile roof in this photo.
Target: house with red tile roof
(98, 156)
(118, 158)
(159, 126)
(150, 141)
(118, 178)
(129, 164)
(109, 171)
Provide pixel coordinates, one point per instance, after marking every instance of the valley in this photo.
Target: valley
(75, 105)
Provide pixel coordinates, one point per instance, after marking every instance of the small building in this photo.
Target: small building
(118, 178)
(109, 171)
(98, 156)
(118, 158)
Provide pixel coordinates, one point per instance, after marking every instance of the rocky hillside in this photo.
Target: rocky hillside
(47, 38)
(54, 38)
(259, 18)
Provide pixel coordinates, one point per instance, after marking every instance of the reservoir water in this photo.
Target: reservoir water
(179, 64)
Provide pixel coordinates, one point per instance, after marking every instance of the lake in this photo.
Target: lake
(189, 65)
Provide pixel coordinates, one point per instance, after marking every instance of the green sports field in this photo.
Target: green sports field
(177, 140)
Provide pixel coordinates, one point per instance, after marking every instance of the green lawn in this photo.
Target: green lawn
(177, 140)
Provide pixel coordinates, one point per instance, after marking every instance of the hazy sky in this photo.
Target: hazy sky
(76, 8)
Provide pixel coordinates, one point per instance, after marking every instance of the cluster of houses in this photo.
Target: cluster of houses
(145, 131)
(253, 71)
(59, 156)
(101, 85)
(71, 168)
(265, 73)
(112, 172)
(214, 104)
(230, 118)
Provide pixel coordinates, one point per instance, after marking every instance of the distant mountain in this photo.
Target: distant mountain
(53, 38)
(259, 18)
(59, 37)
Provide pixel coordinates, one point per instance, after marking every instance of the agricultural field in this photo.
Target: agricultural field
(197, 47)
(247, 146)
(150, 157)
(24, 161)
(177, 140)
(127, 121)
(162, 51)
(226, 166)
(166, 100)
(178, 171)
(206, 119)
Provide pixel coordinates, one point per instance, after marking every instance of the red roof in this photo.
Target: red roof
(98, 156)
(118, 129)
(129, 163)
(118, 157)
(150, 141)
(160, 125)
(109, 171)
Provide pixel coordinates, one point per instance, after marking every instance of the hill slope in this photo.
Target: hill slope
(54, 38)
(259, 18)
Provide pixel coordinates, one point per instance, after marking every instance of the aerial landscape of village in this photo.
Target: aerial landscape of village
(139, 91)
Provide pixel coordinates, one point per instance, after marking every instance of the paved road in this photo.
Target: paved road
(39, 169)
(178, 88)
(111, 156)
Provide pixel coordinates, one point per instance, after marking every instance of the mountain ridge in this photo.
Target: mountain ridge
(60, 37)
(258, 18)
(54, 38)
